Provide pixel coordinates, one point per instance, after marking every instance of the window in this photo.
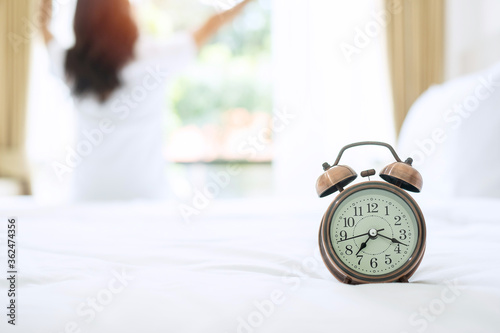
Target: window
(223, 102)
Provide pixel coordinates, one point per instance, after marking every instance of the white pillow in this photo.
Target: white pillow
(453, 133)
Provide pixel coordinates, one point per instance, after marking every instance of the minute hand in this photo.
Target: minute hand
(394, 240)
(358, 236)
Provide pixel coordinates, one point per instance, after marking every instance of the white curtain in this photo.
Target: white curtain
(331, 73)
(50, 113)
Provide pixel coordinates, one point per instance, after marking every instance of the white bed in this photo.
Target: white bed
(241, 266)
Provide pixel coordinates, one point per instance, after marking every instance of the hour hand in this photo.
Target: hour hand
(363, 245)
(394, 240)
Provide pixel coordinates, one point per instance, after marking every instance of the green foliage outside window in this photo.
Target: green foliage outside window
(233, 71)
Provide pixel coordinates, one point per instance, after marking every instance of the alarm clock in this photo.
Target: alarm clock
(373, 231)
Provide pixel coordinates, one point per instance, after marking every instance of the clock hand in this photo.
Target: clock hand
(394, 240)
(363, 245)
(366, 233)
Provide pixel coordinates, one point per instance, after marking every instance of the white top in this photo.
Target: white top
(118, 148)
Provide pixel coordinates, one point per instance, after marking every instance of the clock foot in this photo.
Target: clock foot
(347, 280)
(403, 279)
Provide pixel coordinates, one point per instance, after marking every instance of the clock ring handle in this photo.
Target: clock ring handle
(367, 143)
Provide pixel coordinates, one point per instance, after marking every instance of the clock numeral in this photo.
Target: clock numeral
(360, 256)
(348, 222)
(372, 207)
(373, 262)
(397, 249)
(398, 220)
(388, 259)
(358, 211)
(348, 250)
(386, 210)
(403, 234)
(343, 235)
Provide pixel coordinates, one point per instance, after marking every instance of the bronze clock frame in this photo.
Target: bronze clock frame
(345, 274)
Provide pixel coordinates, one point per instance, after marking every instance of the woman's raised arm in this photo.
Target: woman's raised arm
(214, 23)
(45, 17)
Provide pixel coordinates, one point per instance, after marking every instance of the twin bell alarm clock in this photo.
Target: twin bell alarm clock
(373, 231)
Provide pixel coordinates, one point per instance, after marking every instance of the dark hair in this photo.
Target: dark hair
(105, 35)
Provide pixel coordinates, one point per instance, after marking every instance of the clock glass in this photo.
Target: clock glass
(374, 231)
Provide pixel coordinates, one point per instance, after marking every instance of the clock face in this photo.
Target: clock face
(374, 231)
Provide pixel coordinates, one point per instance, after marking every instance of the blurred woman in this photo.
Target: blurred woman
(118, 80)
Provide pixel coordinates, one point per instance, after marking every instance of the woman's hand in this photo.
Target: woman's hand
(45, 17)
(214, 23)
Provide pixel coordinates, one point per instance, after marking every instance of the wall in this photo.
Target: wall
(472, 36)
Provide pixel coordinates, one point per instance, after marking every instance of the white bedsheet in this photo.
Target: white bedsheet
(240, 266)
